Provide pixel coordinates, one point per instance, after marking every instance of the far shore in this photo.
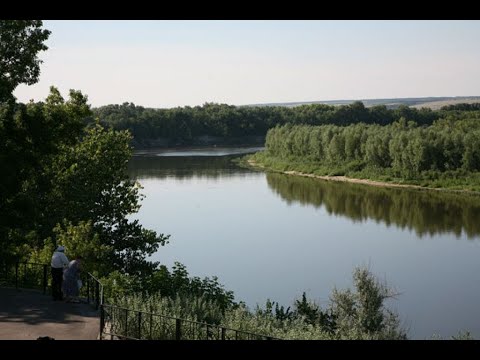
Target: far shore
(252, 163)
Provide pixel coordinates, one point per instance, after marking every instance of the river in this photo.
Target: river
(268, 235)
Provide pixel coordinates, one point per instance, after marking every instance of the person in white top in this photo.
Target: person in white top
(58, 263)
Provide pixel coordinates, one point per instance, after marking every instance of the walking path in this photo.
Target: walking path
(29, 314)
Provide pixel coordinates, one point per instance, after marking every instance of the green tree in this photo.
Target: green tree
(23, 140)
(20, 43)
(362, 313)
(90, 183)
(31, 136)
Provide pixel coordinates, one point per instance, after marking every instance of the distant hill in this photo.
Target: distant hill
(431, 102)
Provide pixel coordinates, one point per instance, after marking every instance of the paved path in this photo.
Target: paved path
(28, 314)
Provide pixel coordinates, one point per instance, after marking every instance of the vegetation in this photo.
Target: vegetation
(462, 107)
(230, 124)
(444, 154)
(20, 42)
(351, 314)
(64, 180)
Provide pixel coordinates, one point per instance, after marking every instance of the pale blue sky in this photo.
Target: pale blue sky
(177, 63)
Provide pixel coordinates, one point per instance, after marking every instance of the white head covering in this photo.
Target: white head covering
(60, 248)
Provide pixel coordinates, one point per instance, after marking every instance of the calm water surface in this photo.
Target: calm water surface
(274, 236)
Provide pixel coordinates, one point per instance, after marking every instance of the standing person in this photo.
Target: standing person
(71, 276)
(58, 263)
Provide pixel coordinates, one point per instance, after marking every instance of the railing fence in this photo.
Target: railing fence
(119, 322)
(25, 275)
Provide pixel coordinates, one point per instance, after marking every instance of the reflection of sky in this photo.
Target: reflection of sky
(261, 247)
(217, 151)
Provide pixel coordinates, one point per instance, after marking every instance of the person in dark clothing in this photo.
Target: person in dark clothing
(59, 262)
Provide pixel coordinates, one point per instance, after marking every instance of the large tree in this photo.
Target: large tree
(59, 178)
(31, 137)
(90, 184)
(24, 140)
(20, 43)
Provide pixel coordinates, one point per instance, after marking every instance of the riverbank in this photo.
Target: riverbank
(470, 184)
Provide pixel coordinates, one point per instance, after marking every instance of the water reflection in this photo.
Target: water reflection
(184, 167)
(204, 151)
(425, 212)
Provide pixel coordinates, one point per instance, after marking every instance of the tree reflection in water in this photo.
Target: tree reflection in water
(424, 211)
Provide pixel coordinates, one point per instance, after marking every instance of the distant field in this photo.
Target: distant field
(430, 102)
(435, 105)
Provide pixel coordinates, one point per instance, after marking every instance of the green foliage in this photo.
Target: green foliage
(41, 255)
(445, 154)
(65, 174)
(462, 107)
(91, 185)
(314, 315)
(363, 311)
(169, 284)
(56, 172)
(31, 137)
(186, 125)
(20, 42)
(359, 314)
(81, 240)
(117, 285)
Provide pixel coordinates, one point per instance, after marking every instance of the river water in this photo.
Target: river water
(269, 235)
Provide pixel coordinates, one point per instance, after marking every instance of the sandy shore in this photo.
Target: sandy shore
(361, 181)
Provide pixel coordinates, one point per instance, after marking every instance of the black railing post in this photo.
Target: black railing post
(126, 322)
(178, 329)
(88, 289)
(97, 293)
(139, 325)
(17, 264)
(102, 321)
(44, 279)
(151, 325)
(119, 327)
(112, 321)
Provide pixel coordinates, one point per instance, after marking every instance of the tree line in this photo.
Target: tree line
(182, 125)
(405, 147)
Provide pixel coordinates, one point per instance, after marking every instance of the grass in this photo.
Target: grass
(457, 180)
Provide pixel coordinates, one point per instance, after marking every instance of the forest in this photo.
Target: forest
(443, 154)
(227, 123)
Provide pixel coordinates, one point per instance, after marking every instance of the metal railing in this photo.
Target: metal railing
(25, 275)
(122, 323)
(37, 276)
(119, 322)
(92, 290)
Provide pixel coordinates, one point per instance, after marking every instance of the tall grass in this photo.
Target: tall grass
(351, 314)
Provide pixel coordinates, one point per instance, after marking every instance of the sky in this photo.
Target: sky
(165, 64)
